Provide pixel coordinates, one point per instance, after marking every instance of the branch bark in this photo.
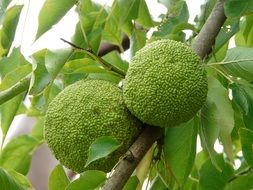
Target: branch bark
(206, 38)
(133, 156)
(202, 46)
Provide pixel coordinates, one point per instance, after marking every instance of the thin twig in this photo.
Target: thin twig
(108, 66)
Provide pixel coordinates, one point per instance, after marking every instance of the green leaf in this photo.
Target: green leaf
(12, 180)
(15, 76)
(205, 10)
(209, 131)
(211, 178)
(21, 179)
(108, 76)
(41, 77)
(38, 106)
(157, 183)
(3, 6)
(8, 111)
(76, 64)
(239, 123)
(9, 26)
(243, 96)
(90, 69)
(84, 65)
(92, 20)
(89, 180)
(17, 154)
(181, 15)
(38, 129)
(58, 179)
(180, 149)
(248, 31)
(51, 12)
(102, 147)
(244, 36)
(237, 8)
(226, 33)
(239, 62)
(219, 55)
(183, 26)
(55, 60)
(112, 29)
(144, 17)
(78, 38)
(241, 182)
(144, 166)
(200, 159)
(224, 113)
(115, 59)
(10, 63)
(132, 183)
(129, 10)
(138, 41)
(72, 78)
(246, 137)
(39, 103)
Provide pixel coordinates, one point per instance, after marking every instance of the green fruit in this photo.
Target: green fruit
(83, 112)
(165, 84)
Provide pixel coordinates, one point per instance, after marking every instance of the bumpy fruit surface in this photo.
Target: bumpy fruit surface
(83, 112)
(166, 84)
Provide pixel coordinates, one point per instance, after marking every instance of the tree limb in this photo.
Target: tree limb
(132, 157)
(202, 46)
(206, 38)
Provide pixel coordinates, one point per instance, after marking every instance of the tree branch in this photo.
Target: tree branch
(206, 38)
(202, 46)
(132, 157)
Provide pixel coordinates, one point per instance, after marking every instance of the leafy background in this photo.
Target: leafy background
(226, 118)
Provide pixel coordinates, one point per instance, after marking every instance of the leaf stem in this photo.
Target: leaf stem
(13, 91)
(228, 62)
(244, 172)
(222, 73)
(104, 63)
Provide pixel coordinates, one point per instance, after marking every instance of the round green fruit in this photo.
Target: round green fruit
(83, 112)
(165, 84)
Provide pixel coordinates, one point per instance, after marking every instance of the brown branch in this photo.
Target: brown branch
(202, 46)
(206, 38)
(132, 157)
